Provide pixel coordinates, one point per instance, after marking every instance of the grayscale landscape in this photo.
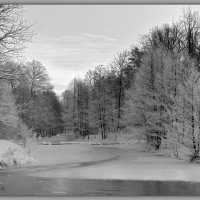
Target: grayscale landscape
(99, 100)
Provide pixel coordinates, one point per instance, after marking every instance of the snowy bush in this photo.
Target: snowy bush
(12, 154)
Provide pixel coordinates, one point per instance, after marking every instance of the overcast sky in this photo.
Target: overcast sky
(71, 39)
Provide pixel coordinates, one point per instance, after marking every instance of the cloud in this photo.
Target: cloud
(71, 55)
(99, 37)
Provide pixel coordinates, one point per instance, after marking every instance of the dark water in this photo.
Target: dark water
(17, 184)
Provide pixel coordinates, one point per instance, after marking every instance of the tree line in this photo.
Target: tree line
(153, 85)
(95, 105)
(28, 104)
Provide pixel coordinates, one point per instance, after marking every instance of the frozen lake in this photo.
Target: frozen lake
(82, 169)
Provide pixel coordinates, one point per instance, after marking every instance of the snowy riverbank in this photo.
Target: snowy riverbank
(13, 154)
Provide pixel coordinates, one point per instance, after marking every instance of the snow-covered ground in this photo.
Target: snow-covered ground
(126, 159)
(121, 162)
(13, 154)
(65, 154)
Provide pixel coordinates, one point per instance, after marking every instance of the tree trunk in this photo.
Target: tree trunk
(119, 103)
(193, 137)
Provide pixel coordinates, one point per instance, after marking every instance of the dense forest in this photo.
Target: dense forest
(28, 104)
(154, 86)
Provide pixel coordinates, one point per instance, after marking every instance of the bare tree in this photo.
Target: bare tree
(14, 32)
(38, 78)
(121, 61)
